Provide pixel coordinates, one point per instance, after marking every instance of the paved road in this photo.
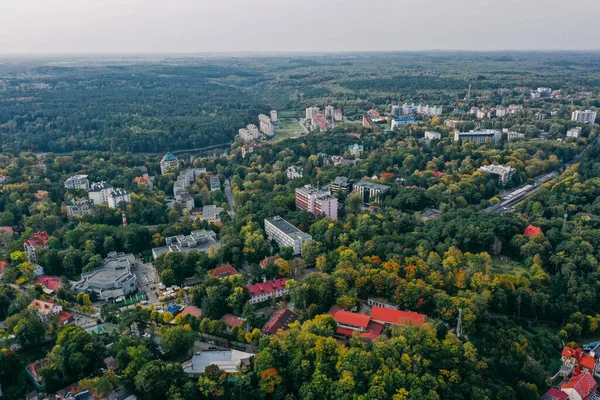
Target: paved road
(147, 278)
(229, 195)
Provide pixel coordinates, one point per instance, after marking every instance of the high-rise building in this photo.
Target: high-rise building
(273, 116)
(168, 163)
(337, 116)
(265, 125)
(317, 202)
(309, 112)
(587, 116)
(396, 110)
(329, 111)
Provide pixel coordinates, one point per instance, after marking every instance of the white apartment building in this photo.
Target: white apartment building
(337, 115)
(369, 192)
(285, 234)
(430, 135)
(294, 172)
(317, 202)
(117, 196)
(266, 127)
(99, 192)
(514, 135)
(273, 115)
(587, 116)
(329, 111)
(77, 182)
(79, 208)
(482, 136)
(248, 135)
(500, 111)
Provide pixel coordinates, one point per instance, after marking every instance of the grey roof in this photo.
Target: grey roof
(98, 186)
(201, 241)
(372, 185)
(288, 228)
(227, 361)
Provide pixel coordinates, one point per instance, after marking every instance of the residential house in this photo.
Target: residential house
(269, 260)
(280, 320)
(78, 182)
(532, 230)
(266, 291)
(45, 309)
(580, 387)
(193, 311)
(232, 321)
(79, 207)
(33, 372)
(117, 197)
(226, 360)
(50, 283)
(39, 240)
(99, 192)
(223, 271)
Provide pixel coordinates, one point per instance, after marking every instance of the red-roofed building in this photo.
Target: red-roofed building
(50, 282)
(348, 323)
(232, 320)
(8, 230)
(33, 371)
(555, 394)
(266, 291)
(531, 231)
(223, 271)
(396, 317)
(65, 318)
(281, 319)
(580, 387)
(270, 260)
(193, 311)
(41, 195)
(577, 359)
(3, 266)
(38, 240)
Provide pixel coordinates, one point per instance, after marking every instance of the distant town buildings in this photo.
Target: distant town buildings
(429, 135)
(504, 173)
(39, 240)
(248, 149)
(323, 120)
(422, 109)
(77, 182)
(79, 207)
(370, 192)
(574, 132)
(266, 291)
(201, 241)
(587, 116)
(399, 122)
(482, 136)
(114, 279)
(285, 234)
(396, 110)
(273, 115)
(453, 123)
(249, 134)
(168, 163)
(513, 135)
(317, 202)
(367, 122)
(294, 172)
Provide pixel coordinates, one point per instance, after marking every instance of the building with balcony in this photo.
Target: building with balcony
(78, 182)
(316, 202)
(587, 116)
(285, 234)
(370, 192)
(99, 192)
(118, 196)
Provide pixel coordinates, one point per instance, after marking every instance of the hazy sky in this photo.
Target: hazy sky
(181, 26)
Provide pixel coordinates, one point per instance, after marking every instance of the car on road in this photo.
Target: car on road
(211, 342)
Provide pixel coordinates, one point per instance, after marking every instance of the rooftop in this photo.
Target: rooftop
(287, 228)
(397, 317)
(193, 311)
(98, 186)
(372, 185)
(227, 361)
(267, 287)
(532, 230)
(169, 157)
(280, 319)
(223, 271)
(232, 320)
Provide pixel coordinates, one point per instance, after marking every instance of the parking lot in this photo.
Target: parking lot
(147, 279)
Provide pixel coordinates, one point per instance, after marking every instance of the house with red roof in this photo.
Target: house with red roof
(349, 322)
(33, 372)
(45, 309)
(280, 320)
(223, 271)
(193, 311)
(555, 394)
(532, 230)
(577, 360)
(232, 320)
(50, 283)
(38, 240)
(580, 387)
(265, 291)
(269, 260)
(389, 316)
(65, 318)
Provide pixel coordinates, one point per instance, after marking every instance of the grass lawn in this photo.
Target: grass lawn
(287, 114)
(288, 129)
(504, 265)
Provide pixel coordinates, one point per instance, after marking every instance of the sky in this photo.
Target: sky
(197, 26)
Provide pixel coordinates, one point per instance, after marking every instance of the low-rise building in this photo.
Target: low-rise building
(388, 316)
(399, 122)
(285, 234)
(39, 240)
(210, 213)
(294, 172)
(270, 260)
(430, 135)
(482, 136)
(370, 192)
(79, 207)
(201, 241)
(504, 173)
(348, 323)
(33, 371)
(514, 135)
(266, 291)
(231, 321)
(580, 387)
(574, 132)
(341, 184)
(223, 271)
(225, 360)
(45, 309)
(215, 183)
(169, 163)
(280, 320)
(114, 279)
(77, 182)
(99, 192)
(118, 196)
